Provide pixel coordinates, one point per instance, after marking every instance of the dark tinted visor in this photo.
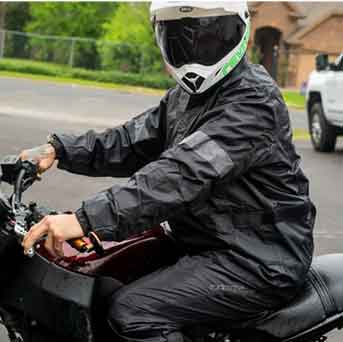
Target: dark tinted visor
(199, 40)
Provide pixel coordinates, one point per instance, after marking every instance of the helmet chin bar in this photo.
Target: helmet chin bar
(191, 77)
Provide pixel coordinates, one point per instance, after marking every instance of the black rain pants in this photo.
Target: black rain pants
(197, 291)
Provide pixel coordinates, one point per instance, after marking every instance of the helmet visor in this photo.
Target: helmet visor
(203, 41)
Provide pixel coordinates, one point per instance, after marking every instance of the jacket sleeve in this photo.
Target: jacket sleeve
(116, 152)
(232, 139)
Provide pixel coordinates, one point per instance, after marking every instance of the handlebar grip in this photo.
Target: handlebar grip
(81, 245)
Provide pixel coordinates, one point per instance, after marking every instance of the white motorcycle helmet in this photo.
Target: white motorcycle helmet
(201, 42)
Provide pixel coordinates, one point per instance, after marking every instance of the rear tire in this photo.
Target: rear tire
(323, 134)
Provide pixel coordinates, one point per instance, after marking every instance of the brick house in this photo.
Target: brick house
(286, 36)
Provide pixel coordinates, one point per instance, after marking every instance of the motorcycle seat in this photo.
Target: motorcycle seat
(320, 302)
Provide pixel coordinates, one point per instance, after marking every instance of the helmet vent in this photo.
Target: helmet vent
(199, 82)
(193, 81)
(191, 75)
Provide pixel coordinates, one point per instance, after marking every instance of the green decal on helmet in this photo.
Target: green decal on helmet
(239, 53)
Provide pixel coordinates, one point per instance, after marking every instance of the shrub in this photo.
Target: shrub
(152, 80)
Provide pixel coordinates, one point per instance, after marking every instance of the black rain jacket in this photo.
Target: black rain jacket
(219, 169)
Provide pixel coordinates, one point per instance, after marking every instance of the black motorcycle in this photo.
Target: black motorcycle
(44, 299)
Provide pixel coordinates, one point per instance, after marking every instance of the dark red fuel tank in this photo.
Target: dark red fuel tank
(125, 261)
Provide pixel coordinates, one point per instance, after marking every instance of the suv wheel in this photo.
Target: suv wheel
(323, 135)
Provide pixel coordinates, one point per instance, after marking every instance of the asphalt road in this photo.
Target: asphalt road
(29, 110)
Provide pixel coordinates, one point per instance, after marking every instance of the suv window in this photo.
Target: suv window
(340, 63)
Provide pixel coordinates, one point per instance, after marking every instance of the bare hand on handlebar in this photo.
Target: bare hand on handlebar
(44, 155)
(57, 228)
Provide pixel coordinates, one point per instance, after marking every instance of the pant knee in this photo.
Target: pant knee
(120, 314)
(130, 318)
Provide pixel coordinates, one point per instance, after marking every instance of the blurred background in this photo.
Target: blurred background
(89, 36)
(117, 38)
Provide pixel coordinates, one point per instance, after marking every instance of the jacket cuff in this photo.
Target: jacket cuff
(57, 145)
(83, 220)
(102, 215)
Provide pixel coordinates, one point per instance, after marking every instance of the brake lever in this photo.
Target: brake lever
(20, 229)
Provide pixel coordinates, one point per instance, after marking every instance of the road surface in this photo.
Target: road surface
(29, 110)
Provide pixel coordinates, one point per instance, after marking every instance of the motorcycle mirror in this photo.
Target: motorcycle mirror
(10, 166)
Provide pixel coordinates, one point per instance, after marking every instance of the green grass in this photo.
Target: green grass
(154, 84)
(158, 81)
(300, 134)
(294, 99)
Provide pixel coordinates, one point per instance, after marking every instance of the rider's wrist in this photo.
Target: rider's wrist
(57, 145)
(83, 221)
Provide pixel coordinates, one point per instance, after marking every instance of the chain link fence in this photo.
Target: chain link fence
(79, 52)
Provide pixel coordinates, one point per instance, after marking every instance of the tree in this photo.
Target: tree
(2, 27)
(133, 46)
(69, 19)
(2, 15)
(17, 16)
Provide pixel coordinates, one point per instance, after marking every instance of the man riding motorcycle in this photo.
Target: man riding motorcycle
(214, 164)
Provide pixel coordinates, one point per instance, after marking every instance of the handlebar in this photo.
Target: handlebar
(18, 186)
(27, 174)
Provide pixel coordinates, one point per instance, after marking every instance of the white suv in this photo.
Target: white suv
(324, 99)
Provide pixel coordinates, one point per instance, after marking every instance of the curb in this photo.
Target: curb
(58, 117)
(295, 108)
(83, 83)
